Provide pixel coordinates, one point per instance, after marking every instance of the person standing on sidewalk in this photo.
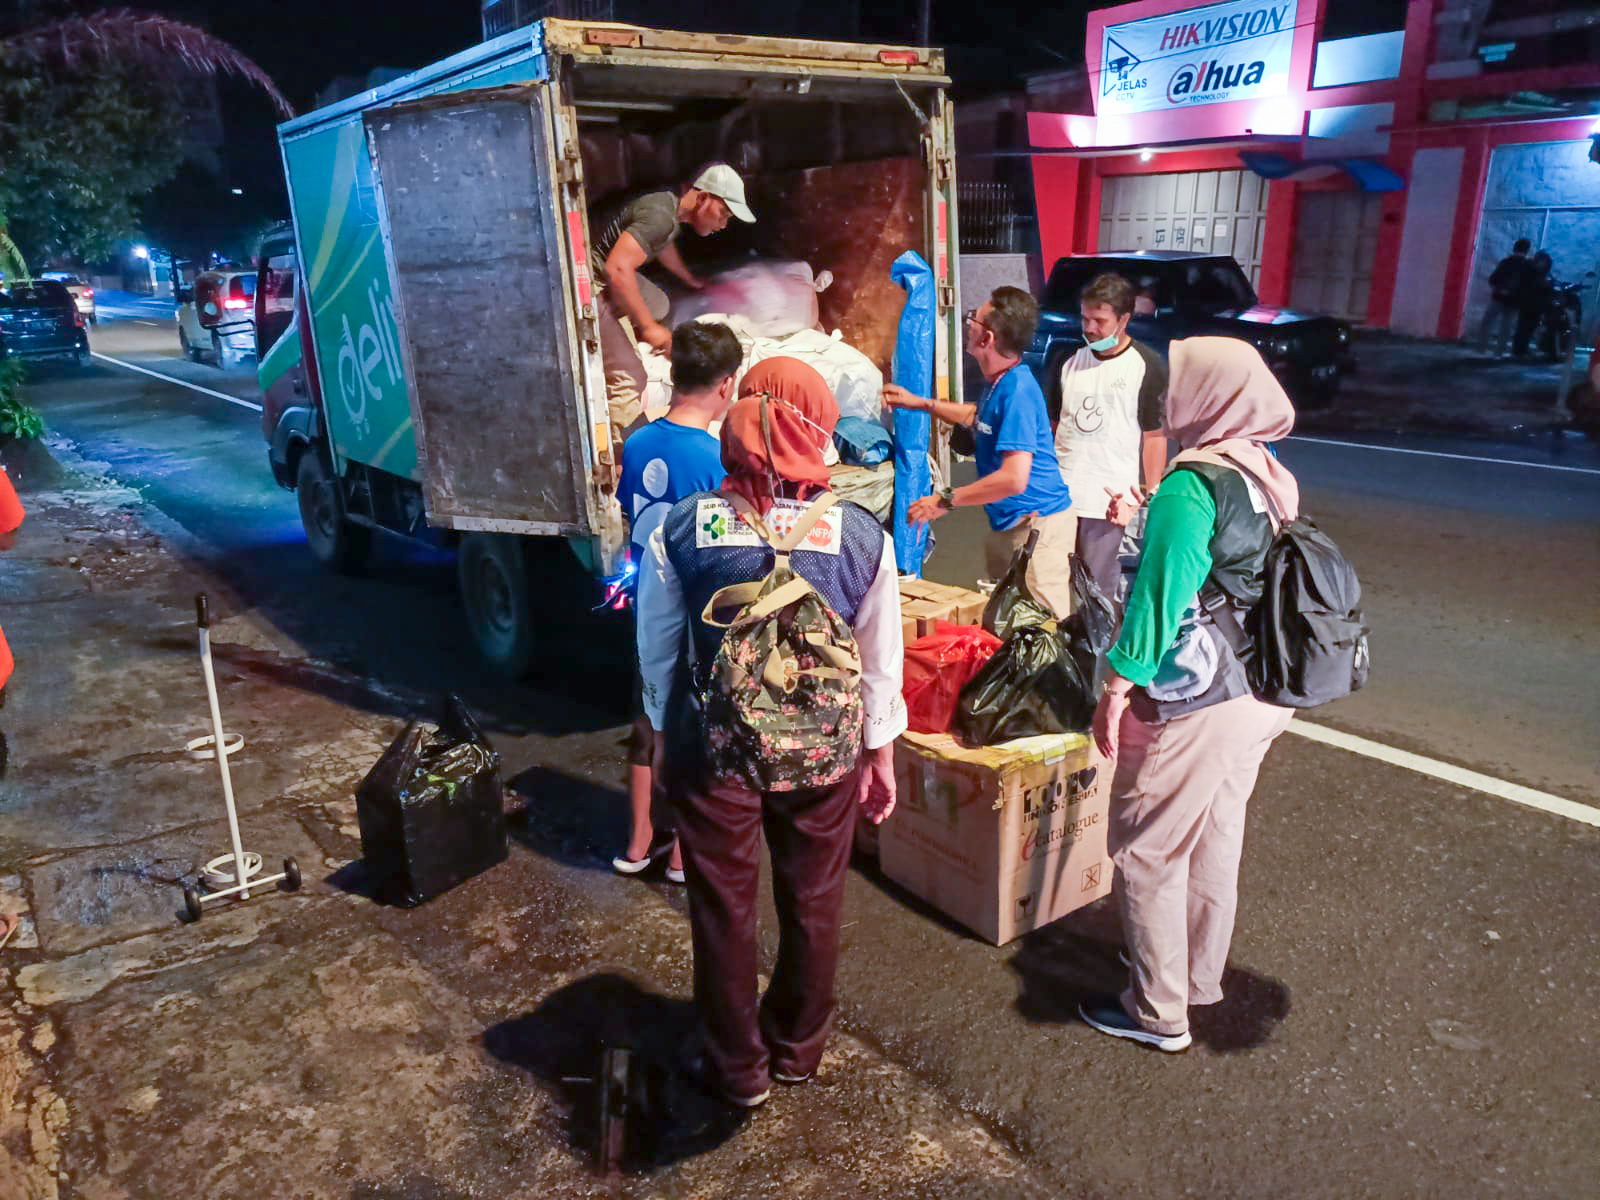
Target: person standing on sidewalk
(661, 464)
(11, 515)
(1506, 283)
(1110, 436)
(645, 230)
(772, 446)
(1533, 298)
(1177, 714)
(1019, 481)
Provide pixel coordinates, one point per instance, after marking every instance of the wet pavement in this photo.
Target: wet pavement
(1425, 385)
(1409, 995)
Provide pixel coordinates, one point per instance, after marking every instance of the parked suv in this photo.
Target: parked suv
(216, 315)
(38, 319)
(1180, 295)
(82, 293)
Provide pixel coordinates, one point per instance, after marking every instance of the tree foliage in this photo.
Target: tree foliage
(91, 119)
(77, 149)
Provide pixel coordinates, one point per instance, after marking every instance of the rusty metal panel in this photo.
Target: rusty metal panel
(486, 327)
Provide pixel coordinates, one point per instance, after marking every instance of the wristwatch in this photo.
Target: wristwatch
(947, 498)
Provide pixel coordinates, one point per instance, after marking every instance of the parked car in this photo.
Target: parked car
(82, 293)
(1181, 294)
(38, 319)
(216, 315)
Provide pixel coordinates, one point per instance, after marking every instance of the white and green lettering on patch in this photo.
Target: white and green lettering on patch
(717, 524)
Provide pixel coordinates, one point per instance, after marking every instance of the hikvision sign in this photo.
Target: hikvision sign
(1235, 51)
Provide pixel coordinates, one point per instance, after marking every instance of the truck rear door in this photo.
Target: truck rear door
(484, 309)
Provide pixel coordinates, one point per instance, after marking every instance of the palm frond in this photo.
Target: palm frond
(154, 42)
(11, 259)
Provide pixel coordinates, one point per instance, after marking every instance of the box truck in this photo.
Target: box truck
(428, 349)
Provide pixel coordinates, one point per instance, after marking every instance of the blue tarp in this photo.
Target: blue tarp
(1369, 174)
(912, 369)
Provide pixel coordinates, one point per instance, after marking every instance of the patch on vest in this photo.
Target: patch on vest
(717, 525)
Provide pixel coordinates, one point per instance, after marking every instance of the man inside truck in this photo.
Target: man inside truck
(645, 230)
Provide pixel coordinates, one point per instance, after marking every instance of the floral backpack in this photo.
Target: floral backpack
(781, 701)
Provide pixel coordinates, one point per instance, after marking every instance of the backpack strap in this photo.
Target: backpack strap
(1274, 515)
(746, 598)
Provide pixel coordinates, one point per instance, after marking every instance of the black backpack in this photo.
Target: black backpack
(1305, 642)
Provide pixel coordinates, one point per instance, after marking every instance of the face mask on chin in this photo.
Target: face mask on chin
(1108, 342)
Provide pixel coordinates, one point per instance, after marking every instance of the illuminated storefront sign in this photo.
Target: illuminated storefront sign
(1236, 51)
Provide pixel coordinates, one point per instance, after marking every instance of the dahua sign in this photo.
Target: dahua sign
(1235, 51)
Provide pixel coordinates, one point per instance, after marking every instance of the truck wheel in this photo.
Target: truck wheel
(492, 572)
(335, 542)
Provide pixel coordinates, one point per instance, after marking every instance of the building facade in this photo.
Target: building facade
(1378, 177)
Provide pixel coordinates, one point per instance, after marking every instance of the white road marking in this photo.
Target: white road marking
(142, 321)
(183, 383)
(1473, 458)
(1543, 801)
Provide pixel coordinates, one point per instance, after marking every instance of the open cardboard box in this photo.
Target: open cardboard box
(1005, 839)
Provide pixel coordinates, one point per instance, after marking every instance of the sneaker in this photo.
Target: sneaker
(674, 874)
(632, 866)
(1109, 1017)
(791, 1079)
(698, 1070)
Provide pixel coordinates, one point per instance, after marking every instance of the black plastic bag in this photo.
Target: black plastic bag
(432, 810)
(1012, 606)
(1035, 683)
(1094, 615)
(1032, 685)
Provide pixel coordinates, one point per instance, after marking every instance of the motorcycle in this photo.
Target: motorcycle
(1560, 317)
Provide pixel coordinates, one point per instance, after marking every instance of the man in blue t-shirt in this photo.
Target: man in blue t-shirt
(661, 464)
(1019, 481)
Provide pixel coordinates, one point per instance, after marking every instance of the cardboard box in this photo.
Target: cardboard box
(1005, 839)
(923, 604)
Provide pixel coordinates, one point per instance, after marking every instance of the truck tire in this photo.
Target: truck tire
(492, 573)
(335, 541)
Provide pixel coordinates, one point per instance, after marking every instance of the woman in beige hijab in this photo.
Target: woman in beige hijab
(1177, 713)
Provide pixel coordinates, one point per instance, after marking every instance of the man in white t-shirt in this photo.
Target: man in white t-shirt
(1113, 399)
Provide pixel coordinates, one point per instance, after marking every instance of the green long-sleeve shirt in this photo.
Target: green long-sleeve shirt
(1173, 565)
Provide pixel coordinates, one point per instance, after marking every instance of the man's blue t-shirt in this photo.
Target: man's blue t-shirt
(661, 464)
(1012, 418)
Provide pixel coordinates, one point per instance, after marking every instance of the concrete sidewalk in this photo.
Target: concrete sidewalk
(1425, 385)
(317, 1045)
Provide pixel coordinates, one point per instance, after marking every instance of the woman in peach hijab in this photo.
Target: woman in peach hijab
(1177, 713)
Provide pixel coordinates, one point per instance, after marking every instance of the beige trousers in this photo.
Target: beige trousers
(1178, 802)
(1050, 573)
(625, 376)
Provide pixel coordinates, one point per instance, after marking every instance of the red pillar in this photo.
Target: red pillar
(1469, 211)
(1055, 198)
(1408, 108)
(1277, 248)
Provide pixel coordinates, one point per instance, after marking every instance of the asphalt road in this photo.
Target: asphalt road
(1413, 976)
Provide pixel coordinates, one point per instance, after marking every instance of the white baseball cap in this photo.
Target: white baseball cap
(723, 182)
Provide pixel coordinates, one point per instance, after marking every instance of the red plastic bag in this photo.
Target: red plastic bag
(938, 666)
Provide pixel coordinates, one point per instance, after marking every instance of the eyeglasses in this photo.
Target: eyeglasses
(972, 315)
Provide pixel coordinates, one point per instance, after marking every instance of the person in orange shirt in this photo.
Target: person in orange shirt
(11, 514)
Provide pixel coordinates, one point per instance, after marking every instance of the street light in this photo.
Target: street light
(141, 251)
(238, 191)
